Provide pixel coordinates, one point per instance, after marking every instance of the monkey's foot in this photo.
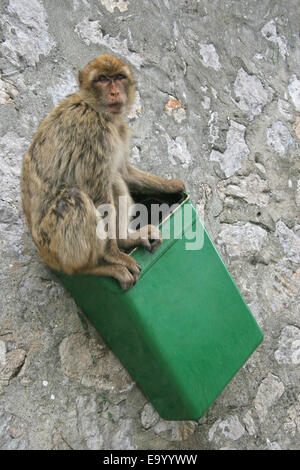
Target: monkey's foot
(125, 278)
(117, 271)
(125, 261)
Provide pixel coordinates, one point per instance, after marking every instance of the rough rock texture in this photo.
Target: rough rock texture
(218, 105)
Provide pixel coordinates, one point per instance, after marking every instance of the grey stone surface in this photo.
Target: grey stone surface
(218, 106)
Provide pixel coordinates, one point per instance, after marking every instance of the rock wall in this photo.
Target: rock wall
(218, 105)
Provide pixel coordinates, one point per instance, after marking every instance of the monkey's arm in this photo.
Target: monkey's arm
(140, 181)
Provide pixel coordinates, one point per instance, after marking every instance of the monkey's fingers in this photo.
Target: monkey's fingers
(154, 244)
(135, 278)
(151, 244)
(125, 278)
(133, 267)
(150, 237)
(145, 243)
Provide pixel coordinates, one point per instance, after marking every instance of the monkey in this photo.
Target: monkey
(79, 159)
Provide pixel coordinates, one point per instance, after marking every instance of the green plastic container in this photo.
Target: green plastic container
(184, 330)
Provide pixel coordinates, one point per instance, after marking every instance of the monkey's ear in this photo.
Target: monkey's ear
(80, 77)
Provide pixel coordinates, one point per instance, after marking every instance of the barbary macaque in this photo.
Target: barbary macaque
(78, 160)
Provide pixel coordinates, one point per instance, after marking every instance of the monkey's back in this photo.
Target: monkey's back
(70, 148)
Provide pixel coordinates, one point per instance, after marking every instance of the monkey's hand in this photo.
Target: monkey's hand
(176, 186)
(150, 237)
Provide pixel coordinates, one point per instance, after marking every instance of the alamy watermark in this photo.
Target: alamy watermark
(130, 221)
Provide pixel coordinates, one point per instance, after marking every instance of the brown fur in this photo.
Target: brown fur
(78, 159)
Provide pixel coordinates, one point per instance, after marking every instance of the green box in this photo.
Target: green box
(184, 330)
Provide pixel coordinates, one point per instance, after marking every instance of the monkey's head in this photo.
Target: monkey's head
(109, 83)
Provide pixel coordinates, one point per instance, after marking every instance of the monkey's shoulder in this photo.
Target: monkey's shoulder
(71, 119)
(72, 111)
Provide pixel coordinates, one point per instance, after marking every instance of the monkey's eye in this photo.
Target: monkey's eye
(120, 77)
(102, 79)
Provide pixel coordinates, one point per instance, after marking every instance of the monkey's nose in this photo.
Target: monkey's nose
(114, 92)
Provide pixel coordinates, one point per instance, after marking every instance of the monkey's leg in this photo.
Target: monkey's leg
(112, 253)
(66, 235)
(67, 240)
(142, 182)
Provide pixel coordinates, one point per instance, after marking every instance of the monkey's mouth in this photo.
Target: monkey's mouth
(116, 107)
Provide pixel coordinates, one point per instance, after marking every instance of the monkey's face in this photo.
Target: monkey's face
(109, 81)
(112, 92)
